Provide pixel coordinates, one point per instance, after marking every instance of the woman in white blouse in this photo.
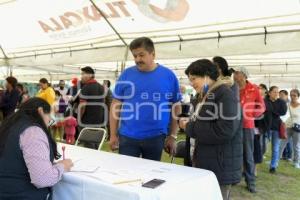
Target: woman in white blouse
(294, 111)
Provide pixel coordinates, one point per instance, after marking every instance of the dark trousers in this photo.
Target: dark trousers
(249, 165)
(258, 149)
(266, 139)
(288, 151)
(147, 148)
(225, 189)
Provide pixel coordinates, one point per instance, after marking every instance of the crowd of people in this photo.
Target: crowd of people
(228, 123)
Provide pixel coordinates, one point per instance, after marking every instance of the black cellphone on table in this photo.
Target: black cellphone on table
(154, 183)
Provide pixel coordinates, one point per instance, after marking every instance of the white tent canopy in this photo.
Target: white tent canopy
(55, 38)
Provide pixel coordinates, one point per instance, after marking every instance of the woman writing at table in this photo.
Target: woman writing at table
(215, 125)
(27, 152)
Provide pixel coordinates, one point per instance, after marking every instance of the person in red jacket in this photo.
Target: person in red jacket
(253, 107)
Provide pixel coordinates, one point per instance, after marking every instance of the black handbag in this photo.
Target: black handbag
(296, 127)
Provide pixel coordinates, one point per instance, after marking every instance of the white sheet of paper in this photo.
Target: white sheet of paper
(113, 177)
(85, 168)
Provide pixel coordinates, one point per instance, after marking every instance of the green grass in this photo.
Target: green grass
(284, 185)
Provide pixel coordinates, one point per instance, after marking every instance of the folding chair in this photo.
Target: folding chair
(180, 150)
(91, 138)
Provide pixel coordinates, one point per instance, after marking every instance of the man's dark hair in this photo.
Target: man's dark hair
(284, 92)
(12, 81)
(88, 70)
(142, 42)
(57, 93)
(19, 85)
(203, 68)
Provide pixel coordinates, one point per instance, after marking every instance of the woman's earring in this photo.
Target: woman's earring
(205, 88)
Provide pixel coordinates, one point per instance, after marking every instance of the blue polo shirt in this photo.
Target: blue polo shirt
(147, 99)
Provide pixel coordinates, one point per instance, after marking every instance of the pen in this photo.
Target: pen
(129, 181)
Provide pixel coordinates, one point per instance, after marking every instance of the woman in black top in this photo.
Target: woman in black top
(10, 98)
(279, 108)
(262, 125)
(214, 125)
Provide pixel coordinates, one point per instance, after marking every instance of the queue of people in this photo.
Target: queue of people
(228, 123)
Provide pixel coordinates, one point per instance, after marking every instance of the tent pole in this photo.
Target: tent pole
(50, 75)
(9, 68)
(3, 52)
(108, 22)
(123, 64)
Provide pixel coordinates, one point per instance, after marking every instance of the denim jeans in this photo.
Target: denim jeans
(288, 150)
(275, 149)
(150, 148)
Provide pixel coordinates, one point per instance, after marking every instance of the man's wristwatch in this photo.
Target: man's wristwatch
(173, 136)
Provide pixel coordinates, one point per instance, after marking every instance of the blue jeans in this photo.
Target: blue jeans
(150, 148)
(288, 151)
(275, 149)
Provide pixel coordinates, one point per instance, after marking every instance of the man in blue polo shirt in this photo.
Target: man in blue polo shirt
(145, 102)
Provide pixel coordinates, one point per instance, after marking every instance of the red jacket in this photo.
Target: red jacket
(252, 103)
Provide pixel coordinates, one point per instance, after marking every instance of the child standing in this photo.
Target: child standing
(70, 129)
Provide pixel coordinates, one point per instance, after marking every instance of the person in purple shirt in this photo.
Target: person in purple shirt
(27, 154)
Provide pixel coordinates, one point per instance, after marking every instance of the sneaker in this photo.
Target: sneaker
(272, 170)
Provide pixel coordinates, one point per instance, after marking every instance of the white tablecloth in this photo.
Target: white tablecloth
(97, 172)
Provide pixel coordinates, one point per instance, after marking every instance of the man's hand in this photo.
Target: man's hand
(114, 142)
(170, 145)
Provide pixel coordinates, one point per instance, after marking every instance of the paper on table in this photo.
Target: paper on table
(87, 168)
(84, 167)
(114, 177)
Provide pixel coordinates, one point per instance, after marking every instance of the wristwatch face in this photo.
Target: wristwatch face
(173, 136)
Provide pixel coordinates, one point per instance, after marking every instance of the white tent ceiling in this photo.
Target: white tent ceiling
(55, 38)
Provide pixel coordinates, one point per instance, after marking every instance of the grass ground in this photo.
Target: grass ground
(284, 185)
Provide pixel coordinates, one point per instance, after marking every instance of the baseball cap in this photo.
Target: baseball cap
(88, 70)
(242, 70)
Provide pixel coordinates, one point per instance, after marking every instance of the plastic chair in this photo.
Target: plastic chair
(91, 137)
